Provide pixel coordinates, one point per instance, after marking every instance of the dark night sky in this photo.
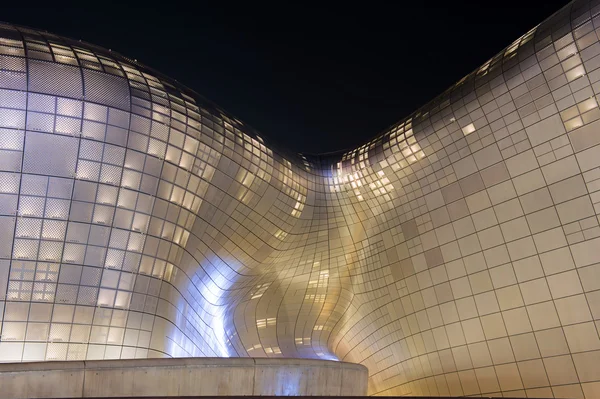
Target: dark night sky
(309, 78)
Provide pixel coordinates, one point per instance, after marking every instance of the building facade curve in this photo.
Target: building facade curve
(457, 253)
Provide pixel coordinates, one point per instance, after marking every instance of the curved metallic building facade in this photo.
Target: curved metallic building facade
(458, 253)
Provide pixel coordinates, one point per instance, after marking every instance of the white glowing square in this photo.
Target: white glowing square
(470, 128)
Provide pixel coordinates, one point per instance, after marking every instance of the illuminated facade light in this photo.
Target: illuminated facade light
(470, 128)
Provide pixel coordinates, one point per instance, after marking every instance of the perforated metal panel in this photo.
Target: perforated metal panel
(55, 79)
(106, 89)
(50, 154)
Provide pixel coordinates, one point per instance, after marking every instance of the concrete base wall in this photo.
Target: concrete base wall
(182, 377)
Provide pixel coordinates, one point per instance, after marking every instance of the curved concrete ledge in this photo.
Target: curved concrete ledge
(182, 377)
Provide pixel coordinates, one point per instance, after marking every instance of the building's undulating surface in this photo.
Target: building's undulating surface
(456, 254)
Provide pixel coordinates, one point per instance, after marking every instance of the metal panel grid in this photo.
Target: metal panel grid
(454, 254)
